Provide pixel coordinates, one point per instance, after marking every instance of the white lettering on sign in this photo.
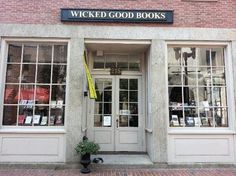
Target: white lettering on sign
(88, 14)
(122, 15)
(151, 15)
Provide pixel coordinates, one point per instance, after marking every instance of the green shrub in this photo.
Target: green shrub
(87, 147)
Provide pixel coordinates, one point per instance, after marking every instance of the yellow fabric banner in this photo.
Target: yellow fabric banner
(92, 91)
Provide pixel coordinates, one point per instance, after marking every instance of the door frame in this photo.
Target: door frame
(96, 73)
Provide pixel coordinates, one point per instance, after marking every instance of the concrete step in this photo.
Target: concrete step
(124, 159)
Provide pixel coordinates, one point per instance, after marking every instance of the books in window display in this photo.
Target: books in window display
(52, 120)
(174, 120)
(36, 119)
(44, 121)
(21, 119)
(28, 120)
(59, 120)
(189, 121)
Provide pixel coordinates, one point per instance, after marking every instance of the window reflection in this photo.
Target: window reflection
(197, 87)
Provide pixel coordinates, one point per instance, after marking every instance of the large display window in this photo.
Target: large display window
(35, 84)
(197, 87)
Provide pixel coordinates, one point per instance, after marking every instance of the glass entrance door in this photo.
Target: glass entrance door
(116, 115)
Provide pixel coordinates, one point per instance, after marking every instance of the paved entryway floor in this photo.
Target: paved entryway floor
(125, 159)
(121, 172)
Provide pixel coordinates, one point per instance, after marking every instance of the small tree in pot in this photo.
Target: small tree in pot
(85, 148)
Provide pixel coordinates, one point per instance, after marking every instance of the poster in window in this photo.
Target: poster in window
(106, 120)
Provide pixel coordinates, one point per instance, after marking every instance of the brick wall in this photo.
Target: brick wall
(187, 13)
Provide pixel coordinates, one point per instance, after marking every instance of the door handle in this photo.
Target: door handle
(117, 123)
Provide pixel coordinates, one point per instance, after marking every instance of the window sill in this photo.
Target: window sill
(33, 131)
(207, 131)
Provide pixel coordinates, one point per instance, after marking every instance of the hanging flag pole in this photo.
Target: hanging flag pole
(92, 91)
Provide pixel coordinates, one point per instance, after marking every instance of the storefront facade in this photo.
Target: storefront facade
(165, 89)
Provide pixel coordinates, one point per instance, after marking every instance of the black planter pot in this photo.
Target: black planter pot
(85, 161)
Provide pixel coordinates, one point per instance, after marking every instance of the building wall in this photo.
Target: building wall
(161, 140)
(187, 13)
(41, 20)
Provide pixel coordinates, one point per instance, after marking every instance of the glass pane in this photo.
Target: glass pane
(56, 117)
(45, 54)
(133, 121)
(176, 117)
(98, 108)
(174, 76)
(107, 84)
(221, 117)
(189, 56)
(123, 96)
(190, 80)
(9, 115)
(174, 56)
(123, 121)
(29, 54)
(25, 112)
(60, 54)
(134, 62)
(175, 95)
(13, 73)
(205, 94)
(123, 65)
(133, 108)
(99, 62)
(133, 84)
(27, 93)
(28, 73)
(219, 96)
(206, 117)
(99, 96)
(41, 115)
(133, 96)
(58, 94)
(14, 53)
(218, 76)
(124, 84)
(98, 120)
(204, 76)
(190, 95)
(107, 108)
(134, 66)
(110, 61)
(217, 57)
(11, 94)
(202, 56)
(44, 74)
(59, 74)
(107, 96)
(42, 94)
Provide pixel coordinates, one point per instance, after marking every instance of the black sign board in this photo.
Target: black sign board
(104, 15)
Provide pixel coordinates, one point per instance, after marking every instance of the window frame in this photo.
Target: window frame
(228, 79)
(3, 67)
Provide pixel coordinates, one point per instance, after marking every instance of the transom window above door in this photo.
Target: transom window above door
(126, 62)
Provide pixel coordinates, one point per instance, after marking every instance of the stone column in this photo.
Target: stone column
(158, 99)
(75, 81)
(233, 80)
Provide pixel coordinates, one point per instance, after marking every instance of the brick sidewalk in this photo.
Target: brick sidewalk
(121, 172)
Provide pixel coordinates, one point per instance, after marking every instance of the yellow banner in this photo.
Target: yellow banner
(92, 91)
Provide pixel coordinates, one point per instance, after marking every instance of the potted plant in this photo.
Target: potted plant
(85, 148)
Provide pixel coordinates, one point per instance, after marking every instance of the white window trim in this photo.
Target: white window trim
(3, 60)
(229, 87)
